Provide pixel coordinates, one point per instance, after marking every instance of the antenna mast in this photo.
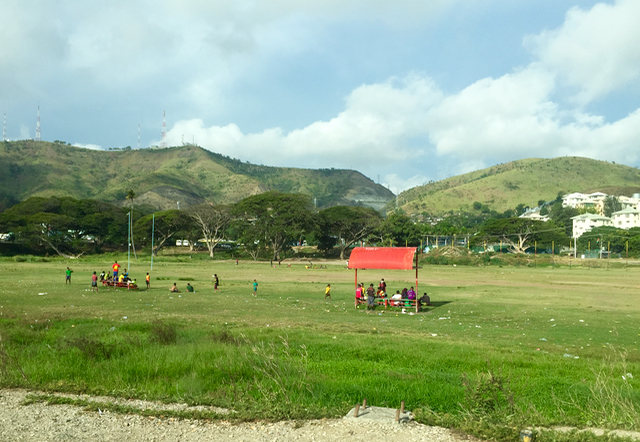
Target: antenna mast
(138, 135)
(4, 128)
(163, 139)
(38, 138)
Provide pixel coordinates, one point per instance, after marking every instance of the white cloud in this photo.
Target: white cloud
(397, 183)
(594, 51)
(374, 130)
(521, 114)
(494, 115)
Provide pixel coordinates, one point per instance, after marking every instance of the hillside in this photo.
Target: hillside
(526, 181)
(162, 177)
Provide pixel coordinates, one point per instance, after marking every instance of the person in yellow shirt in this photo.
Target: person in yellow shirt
(121, 278)
(327, 293)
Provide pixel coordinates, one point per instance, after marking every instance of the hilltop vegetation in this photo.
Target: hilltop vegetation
(503, 187)
(161, 177)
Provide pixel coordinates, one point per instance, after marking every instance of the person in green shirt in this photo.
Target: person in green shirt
(255, 288)
(189, 288)
(68, 276)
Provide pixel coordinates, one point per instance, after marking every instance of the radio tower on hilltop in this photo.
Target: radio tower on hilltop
(4, 128)
(138, 136)
(163, 139)
(38, 138)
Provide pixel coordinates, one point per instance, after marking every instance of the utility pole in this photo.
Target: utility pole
(38, 137)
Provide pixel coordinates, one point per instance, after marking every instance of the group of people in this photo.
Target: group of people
(174, 288)
(381, 293)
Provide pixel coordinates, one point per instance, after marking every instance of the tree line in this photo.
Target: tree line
(268, 225)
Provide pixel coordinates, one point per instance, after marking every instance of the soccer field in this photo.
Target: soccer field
(537, 346)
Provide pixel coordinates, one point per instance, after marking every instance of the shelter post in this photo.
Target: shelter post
(356, 288)
(417, 293)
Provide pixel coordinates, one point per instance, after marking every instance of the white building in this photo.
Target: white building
(573, 199)
(630, 201)
(626, 218)
(534, 214)
(587, 221)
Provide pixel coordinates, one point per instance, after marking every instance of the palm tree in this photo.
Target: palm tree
(130, 196)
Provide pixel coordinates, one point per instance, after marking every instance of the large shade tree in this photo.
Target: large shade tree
(278, 219)
(348, 225)
(518, 234)
(64, 225)
(163, 228)
(212, 221)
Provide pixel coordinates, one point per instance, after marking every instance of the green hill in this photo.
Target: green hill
(526, 181)
(162, 177)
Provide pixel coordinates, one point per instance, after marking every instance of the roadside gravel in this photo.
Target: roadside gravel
(41, 422)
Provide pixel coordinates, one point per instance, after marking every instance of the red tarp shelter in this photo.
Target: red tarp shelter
(388, 258)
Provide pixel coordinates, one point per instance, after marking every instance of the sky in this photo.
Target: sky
(403, 91)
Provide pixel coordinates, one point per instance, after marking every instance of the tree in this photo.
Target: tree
(520, 209)
(167, 224)
(561, 216)
(611, 204)
(519, 233)
(276, 218)
(212, 222)
(251, 238)
(64, 225)
(348, 224)
(400, 229)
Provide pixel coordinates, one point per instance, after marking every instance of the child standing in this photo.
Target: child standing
(116, 269)
(216, 282)
(327, 293)
(148, 281)
(94, 282)
(67, 279)
(255, 288)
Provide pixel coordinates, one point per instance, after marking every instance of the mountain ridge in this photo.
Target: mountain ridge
(526, 181)
(162, 177)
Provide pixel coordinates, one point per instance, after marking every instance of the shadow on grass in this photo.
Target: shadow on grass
(437, 304)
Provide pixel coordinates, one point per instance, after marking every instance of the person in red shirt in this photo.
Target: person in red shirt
(148, 281)
(94, 282)
(116, 267)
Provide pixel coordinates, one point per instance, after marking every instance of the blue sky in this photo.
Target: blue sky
(403, 91)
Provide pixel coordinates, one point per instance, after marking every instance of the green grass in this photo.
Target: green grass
(501, 348)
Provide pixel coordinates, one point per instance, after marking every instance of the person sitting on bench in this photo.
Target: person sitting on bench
(425, 300)
(359, 294)
(396, 298)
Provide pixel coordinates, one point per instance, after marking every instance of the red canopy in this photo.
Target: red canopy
(393, 258)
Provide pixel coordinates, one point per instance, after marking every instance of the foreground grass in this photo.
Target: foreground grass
(500, 349)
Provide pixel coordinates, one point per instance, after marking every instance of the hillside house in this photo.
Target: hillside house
(587, 221)
(630, 201)
(534, 214)
(626, 218)
(585, 201)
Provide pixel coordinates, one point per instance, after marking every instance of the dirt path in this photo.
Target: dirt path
(67, 422)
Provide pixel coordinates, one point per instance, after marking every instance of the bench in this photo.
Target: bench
(120, 285)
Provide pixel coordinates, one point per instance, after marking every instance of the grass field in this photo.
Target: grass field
(502, 347)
